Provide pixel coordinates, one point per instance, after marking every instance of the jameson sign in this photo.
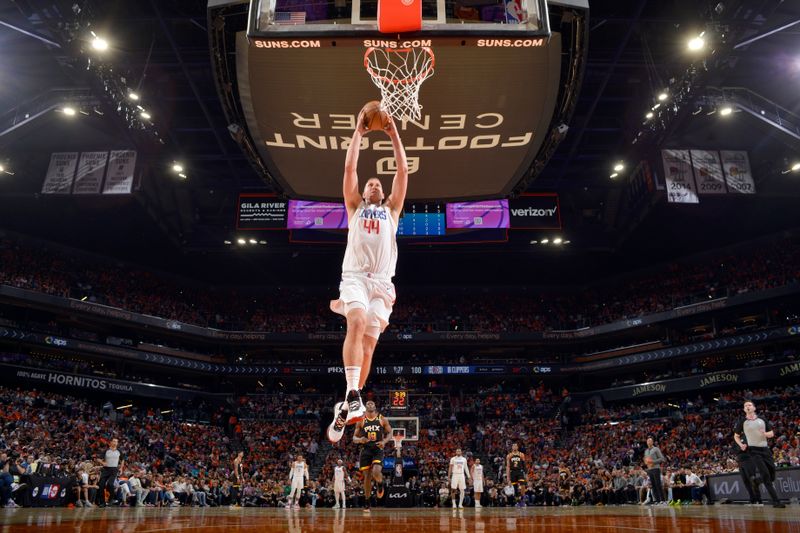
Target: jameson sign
(706, 381)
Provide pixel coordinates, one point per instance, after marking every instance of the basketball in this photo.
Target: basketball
(374, 118)
(648, 461)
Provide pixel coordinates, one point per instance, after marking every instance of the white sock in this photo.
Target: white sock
(461, 499)
(352, 374)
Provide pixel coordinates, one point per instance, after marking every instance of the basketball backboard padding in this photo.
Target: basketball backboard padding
(399, 16)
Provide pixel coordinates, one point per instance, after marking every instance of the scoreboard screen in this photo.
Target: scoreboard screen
(422, 220)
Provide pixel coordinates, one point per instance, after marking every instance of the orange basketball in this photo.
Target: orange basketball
(374, 117)
(648, 461)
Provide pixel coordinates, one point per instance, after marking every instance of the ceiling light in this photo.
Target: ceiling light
(567, 242)
(2, 168)
(227, 242)
(545, 241)
(145, 115)
(656, 107)
(133, 96)
(241, 241)
(614, 175)
(663, 96)
(177, 167)
(725, 111)
(696, 43)
(649, 115)
(796, 167)
(253, 241)
(262, 242)
(534, 242)
(619, 167)
(99, 44)
(182, 176)
(69, 111)
(557, 240)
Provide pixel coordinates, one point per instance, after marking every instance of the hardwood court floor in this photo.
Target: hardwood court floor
(711, 519)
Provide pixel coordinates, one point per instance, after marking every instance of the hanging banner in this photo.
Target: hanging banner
(708, 172)
(679, 177)
(91, 169)
(121, 165)
(737, 172)
(60, 173)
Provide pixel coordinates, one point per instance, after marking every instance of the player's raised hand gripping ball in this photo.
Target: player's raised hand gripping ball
(373, 118)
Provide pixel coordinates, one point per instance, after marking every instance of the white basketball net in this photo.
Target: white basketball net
(399, 75)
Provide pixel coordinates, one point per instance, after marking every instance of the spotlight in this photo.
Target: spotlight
(567, 242)
(262, 242)
(534, 242)
(649, 115)
(796, 167)
(145, 115)
(133, 96)
(241, 241)
(69, 111)
(99, 44)
(619, 167)
(2, 168)
(655, 107)
(182, 176)
(545, 241)
(557, 240)
(663, 96)
(227, 242)
(725, 111)
(253, 241)
(614, 175)
(177, 167)
(696, 43)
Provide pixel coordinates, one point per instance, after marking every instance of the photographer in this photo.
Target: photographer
(10, 468)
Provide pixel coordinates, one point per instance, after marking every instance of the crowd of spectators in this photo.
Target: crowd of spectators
(764, 266)
(170, 462)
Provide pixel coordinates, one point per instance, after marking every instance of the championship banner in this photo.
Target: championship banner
(91, 169)
(60, 173)
(708, 172)
(121, 165)
(738, 175)
(681, 188)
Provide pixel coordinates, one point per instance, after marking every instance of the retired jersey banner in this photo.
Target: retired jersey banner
(679, 177)
(121, 165)
(60, 173)
(708, 172)
(738, 175)
(91, 169)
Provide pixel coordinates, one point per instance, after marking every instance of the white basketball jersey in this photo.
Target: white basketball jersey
(459, 465)
(371, 242)
(298, 470)
(477, 473)
(338, 474)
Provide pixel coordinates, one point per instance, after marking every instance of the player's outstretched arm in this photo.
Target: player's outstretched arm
(350, 181)
(397, 197)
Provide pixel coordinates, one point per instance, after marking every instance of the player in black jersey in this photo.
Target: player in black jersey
(237, 484)
(374, 431)
(515, 473)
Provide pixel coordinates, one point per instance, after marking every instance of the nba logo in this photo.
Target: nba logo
(54, 491)
(514, 14)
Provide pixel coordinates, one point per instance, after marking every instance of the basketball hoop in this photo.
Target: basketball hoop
(399, 74)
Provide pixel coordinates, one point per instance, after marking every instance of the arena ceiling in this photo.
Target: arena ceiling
(161, 49)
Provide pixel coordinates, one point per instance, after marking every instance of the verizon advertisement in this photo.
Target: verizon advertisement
(540, 211)
(485, 113)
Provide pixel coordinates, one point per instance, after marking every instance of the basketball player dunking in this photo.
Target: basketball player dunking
(374, 431)
(298, 476)
(515, 472)
(366, 292)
